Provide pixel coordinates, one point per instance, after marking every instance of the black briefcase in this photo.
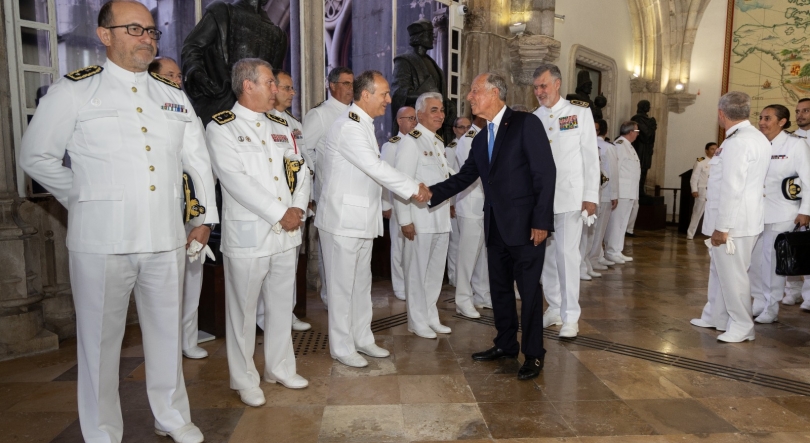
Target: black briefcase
(793, 253)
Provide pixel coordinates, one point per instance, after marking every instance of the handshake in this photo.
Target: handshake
(423, 195)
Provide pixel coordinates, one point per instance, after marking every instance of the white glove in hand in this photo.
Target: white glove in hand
(195, 249)
(588, 219)
(730, 248)
(277, 229)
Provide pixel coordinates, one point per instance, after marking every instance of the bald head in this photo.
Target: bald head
(406, 119)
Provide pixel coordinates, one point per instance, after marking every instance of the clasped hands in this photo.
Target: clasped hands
(291, 219)
(423, 195)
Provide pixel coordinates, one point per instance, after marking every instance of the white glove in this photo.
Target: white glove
(277, 229)
(730, 248)
(194, 250)
(588, 219)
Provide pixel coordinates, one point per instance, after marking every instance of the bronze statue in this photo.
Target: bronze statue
(583, 93)
(645, 141)
(227, 33)
(416, 73)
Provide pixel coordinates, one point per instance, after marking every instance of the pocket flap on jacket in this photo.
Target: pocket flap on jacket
(170, 115)
(355, 200)
(110, 193)
(246, 148)
(240, 214)
(91, 114)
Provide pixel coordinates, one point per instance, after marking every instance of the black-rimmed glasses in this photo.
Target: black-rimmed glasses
(138, 30)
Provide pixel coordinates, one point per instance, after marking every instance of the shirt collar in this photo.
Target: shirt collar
(557, 106)
(332, 101)
(779, 137)
(361, 113)
(424, 130)
(245, 113)
(497, 119)
(122, 74)
(400, 134)
(739, 125)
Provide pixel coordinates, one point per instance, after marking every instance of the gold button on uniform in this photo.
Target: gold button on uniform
(151, 168)
(271, 160)
(152, 188)
(550, 129)
(279, 199)
(275, 178)
(143, 129)
(148, 148)
(258, 124)
(139, 109)
(134, 89)
(264, 142)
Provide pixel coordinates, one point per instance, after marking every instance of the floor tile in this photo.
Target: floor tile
(524, 420)
(756, 414)
(434, 389)
(50, 397)
(602, 418)
(361, 424)
(33, 427)
(680, 416)
(647, 384)
(381, 390)
(453, 421)
(503, 388)
(290, 424)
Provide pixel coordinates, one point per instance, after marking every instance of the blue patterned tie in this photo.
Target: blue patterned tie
(491, 129)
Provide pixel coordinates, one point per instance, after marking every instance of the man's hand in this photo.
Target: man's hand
(387, 214)
(538, 235)
(409, 231)
(802, 220)
(613, 204)
(423, 195)
(719, 238)
(312, 206)
(291, 220)
(590, 207)
(200, 233)
(452, 212)
(695, 194)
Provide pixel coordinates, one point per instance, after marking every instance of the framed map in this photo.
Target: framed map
(768, 52)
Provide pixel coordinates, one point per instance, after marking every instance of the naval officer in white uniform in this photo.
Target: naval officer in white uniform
(460, 128)
(421, 155)
(350, 217)
(129, 134)
(608, 199)
(260, 230)
(406, 119)
(798, 287)
(790, 158)
(570, 130)
(589, 233)
(629, 175)
(735, 212)
(317, 123)
(698, 182)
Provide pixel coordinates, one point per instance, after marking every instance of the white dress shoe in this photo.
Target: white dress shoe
(483, 305)
(585, 277)
(600, 267)
(354, 360)
(699, 322)
(569, 330)
(625, 258)
(373, 350)
(615, 259)
(605, 262)
(298, 325)
(594, 274)
(424, 333)
(730, 338)
(295, 381)
(756, 311)
(765, 318)
(399, 296)
(551, 319)
(441, 329)
(790, 299)
(467, 311)
(187, 434)
(805, 305)
(252, 397)
(195, 353)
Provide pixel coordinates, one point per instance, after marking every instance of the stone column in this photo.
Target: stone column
(22, 329)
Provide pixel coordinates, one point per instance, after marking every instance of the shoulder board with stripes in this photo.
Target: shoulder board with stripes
(81, 74)
(224, 117)
(164, 80)
(276, 119)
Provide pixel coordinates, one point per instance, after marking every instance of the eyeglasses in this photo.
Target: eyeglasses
(412, 119)
(138, 30)
(346, 84)
(463, 127)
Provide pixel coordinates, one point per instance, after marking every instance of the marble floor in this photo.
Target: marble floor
(639, 372)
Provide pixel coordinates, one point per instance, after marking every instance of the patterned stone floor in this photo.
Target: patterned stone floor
(430, 390)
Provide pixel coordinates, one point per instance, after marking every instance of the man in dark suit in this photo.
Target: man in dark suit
(512, 156)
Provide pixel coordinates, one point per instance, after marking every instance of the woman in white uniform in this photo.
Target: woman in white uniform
(789, 158)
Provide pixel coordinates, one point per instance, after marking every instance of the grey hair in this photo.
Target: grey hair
(736, 105)
(334, 74)
(548, 67)
(246, 69)
(365, 82)
(496, 81)
(627, 127)
(521, 108)
(420, 102)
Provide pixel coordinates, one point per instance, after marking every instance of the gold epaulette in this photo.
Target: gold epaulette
(223, 117)
(580, 103)
(700, 159)
(415, 134)
(276, 119)
(290, 114)
(354, 117)
(81, 74)
(452, 145)
(439, 137)
(164, 80)
(394, 139)
(471, 133)
(793, 134)
(619, 142)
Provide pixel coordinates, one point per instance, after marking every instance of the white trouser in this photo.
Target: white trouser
(560, 276)
(347, 262)
(798, 286)
(472, 272)
(603, 214)
(631, 221)
(731, 308)
(192, 284)
(712, 294)
(273, 278)
(397, 239)
(102, 285)
(767, 288)
(697, 213)
(423, 262)
(260, 306)
(452, 252)
(617, 226)
(585, 243)
(324, 296)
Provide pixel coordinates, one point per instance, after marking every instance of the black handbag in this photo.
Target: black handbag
(793, 253)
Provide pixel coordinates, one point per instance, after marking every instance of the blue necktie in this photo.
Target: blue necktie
(491, 129)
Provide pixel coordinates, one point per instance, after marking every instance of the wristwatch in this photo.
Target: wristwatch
(211, 226)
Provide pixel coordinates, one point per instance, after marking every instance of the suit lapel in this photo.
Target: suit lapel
(502, 128)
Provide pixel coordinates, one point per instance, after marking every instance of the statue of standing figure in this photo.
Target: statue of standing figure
(646, 140)
(227, 33)
(583, 93)
(416, 73)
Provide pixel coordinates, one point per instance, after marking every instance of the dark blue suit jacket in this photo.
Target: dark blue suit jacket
(518, 182)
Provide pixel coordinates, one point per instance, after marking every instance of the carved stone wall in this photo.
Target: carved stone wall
(610, 75)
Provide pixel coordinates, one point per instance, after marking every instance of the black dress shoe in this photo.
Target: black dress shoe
(493, 353)
(531, 368)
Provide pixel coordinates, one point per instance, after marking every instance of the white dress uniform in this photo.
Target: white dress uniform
(569, 126)
(472, 271)
(609, 163)
(734, 204)
(349, 218)
(317, 123)
(798, 287)
(421, 155)
(128, 135)
(631, 221)
(388, 153)
(248, 157)
(452, 249)
(790, 156)
(589, 232)
(629, 176)
(698, 182)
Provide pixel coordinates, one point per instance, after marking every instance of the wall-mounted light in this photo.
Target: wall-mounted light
(635, 75)
(679, 87)
(559, 17)
(517, 28)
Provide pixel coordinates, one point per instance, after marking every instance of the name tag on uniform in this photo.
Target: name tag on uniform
(778, 157)
(568, 122)
(280, 138)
